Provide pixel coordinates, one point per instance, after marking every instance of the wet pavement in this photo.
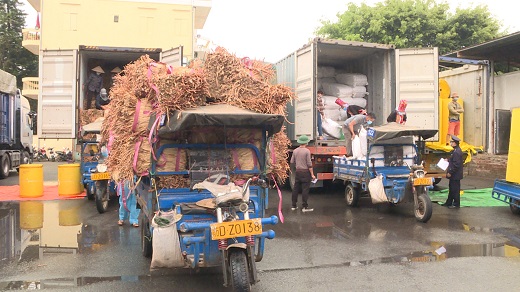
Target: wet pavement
(65, 244)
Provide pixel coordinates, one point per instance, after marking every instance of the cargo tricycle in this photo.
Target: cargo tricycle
(390, 171)
(95, 177)
(507, 192)
(210, 171)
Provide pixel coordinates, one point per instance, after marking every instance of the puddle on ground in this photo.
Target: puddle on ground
(438, 253)
(67, 283)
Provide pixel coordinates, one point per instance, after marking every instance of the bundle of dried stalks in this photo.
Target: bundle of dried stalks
(172, 159)
(143, 150)
(143, 111)
(231, 81)
(244, 158)
(206, 135)
(121, 157)
(89, 116)
(184, 88)
(172, 182)
(278, 156)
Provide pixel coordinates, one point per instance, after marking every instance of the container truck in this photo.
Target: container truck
(16, 126)
(63, 77)
(391, 74)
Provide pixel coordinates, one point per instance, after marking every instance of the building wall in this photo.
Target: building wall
(66, 24)
(507, 91)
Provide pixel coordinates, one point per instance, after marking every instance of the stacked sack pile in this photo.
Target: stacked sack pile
(349, 87)
(146, 88)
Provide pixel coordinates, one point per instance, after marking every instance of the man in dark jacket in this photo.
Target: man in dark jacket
(454, 174)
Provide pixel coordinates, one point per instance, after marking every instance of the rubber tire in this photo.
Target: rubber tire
(26, 159)
(436, 181)
(424, 211)
(90, 192)
(101, 196)
(239, 270)
(514, 209)
(5, 166)
(146, 238)
(351, 195)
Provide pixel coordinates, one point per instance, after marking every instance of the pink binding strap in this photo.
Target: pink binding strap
(151, 138)
(273, 154)
(280, 199)
(235, 158)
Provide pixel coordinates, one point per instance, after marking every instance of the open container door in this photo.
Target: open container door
(172, 57)
(57, 97)
(417, 82)
(305, 117)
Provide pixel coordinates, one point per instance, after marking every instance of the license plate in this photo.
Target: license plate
(100, 176)
(236, 229)
(422, 181)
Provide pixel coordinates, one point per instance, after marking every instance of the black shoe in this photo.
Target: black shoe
(453, 207)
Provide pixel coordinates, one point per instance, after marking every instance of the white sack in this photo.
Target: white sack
(356, 148)
(333, 114)
(377, 190)
(326, 71)
(338, 90)
(166, 244)
(329, 102)
(325, 80)
(363, 141)
(356, 101)
(352, 79)
(331, 128)
(359, 92)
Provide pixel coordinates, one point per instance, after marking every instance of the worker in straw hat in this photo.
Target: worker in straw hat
(114, 72)
(94, 85)
(302, 164)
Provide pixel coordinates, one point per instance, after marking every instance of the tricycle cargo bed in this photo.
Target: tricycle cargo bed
(507, 192)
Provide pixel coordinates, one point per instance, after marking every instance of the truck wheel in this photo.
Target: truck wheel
(102, 196)
(5, 166)
(514, 208)
(423, 212)
(351, 195)
(26, 159)
(239, 270)
(146, 238)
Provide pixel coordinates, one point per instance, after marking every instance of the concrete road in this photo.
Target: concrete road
(334, 248)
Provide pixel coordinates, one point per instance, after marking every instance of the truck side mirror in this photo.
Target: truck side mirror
(32, 119)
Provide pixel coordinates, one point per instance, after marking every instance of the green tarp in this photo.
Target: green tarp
(470, 198)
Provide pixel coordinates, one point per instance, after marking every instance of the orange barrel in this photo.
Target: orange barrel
(31, 215)
(69, 180)
(69, 213)
(31, 180)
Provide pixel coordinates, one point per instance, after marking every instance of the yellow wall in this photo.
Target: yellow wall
(66, 24)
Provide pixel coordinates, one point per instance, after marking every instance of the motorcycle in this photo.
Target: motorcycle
(52, 154)
(41, 154)
(65, 155)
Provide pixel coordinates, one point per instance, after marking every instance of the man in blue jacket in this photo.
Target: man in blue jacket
(454, 174)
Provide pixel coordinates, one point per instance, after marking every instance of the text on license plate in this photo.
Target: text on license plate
(236, 228)
(100, 175)
(422, 181)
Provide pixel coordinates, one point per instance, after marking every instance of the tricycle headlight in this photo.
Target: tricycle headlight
(101, 167)
(419, 173)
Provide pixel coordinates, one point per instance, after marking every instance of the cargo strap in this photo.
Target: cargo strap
(124, 197)
(280, 199)
(136, 156)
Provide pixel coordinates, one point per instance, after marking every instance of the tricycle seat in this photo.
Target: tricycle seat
(194, 209)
